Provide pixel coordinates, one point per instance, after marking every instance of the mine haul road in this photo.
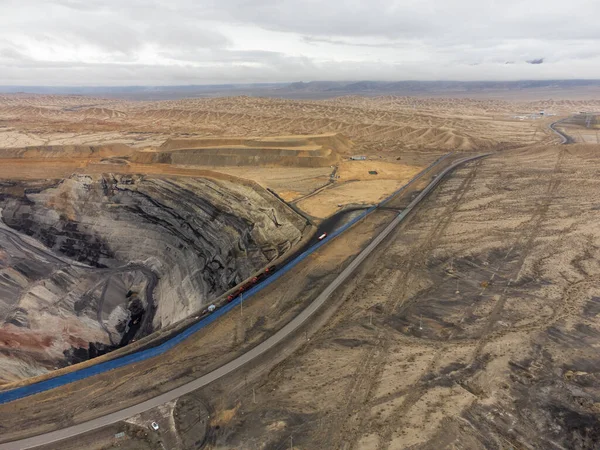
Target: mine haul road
(293, 325)
(565, 138)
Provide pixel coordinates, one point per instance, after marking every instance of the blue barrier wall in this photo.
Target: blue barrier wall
(142, 355)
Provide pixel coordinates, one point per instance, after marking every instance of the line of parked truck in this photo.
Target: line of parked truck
(254, 281)
(245, 287)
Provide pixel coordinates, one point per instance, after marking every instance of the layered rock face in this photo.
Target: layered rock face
(91, 262)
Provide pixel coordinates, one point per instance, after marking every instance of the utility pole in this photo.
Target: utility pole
(291, 443)
(420, 321)
(253, 396)
(370, 317)
(242, 304)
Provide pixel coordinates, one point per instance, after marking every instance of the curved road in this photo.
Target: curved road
(226, 369)
(566, 139)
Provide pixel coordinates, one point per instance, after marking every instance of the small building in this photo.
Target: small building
(358, 158)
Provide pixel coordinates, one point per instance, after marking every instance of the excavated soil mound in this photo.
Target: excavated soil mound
(297, 151)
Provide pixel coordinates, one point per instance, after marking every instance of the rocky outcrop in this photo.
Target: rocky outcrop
(106, 259)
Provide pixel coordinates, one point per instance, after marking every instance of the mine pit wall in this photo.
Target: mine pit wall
(292, 151)
(199, 236)
(289, 151)
(240, 157)
(337, 142)
(68, 151)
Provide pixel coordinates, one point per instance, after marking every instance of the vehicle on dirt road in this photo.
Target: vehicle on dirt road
(255, 280)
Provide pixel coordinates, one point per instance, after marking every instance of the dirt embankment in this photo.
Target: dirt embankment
(292, 151)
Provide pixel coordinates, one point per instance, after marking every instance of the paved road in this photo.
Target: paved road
(222, 371)
(566, 139)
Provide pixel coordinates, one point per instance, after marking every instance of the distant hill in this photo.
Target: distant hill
(312, 89)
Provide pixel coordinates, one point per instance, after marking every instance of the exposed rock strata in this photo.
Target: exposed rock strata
(104, 259)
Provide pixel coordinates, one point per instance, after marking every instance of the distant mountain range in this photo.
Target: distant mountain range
(313, 89)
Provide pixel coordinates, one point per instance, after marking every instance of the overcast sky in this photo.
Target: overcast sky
(171, 42)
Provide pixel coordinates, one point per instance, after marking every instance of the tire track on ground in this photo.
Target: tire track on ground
(431, 240)
(369, 378)
(419, 256)
(529, 235)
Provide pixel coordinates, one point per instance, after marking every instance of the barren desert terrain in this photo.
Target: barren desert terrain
(380, 125)
(473, 326)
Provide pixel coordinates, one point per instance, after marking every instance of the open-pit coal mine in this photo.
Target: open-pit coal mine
(91, 262)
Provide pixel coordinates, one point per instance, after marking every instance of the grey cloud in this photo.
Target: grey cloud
(106, 35)
(346, 42)
(278, 70)
(12, 54)
(423, 19)
(120, 74)
(187, 36)
(166, 41)
(368, 18)
(79, 5)
(213, 56)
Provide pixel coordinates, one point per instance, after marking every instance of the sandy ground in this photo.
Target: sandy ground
(290, 182)
(474, 327)
(356, 186)
(119, 436)
(359, 170)
(401, 130)
(328, 201)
